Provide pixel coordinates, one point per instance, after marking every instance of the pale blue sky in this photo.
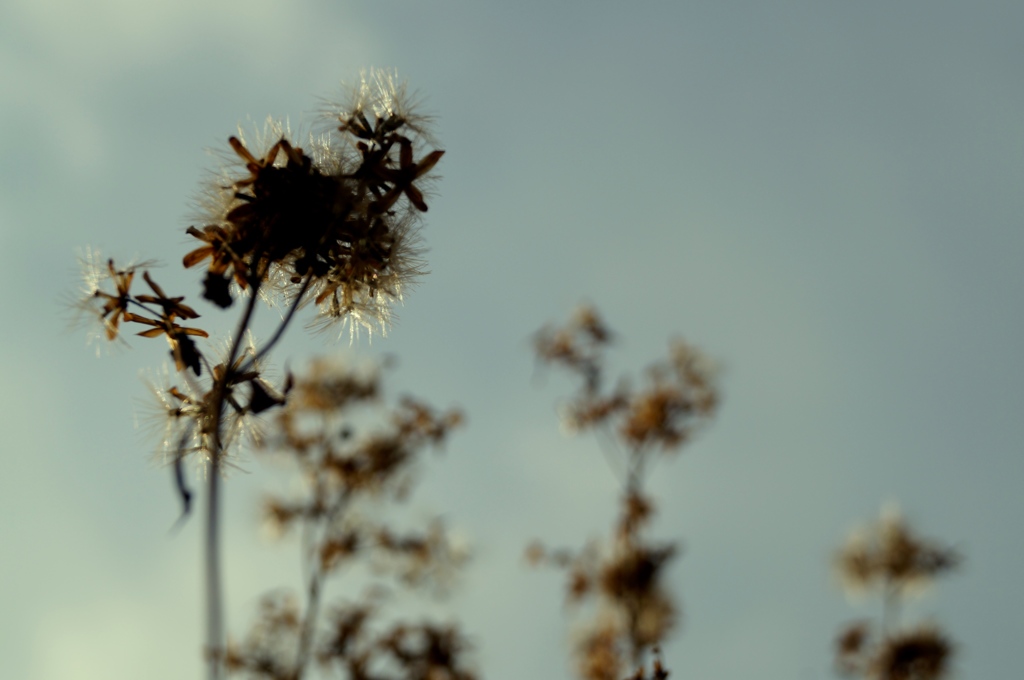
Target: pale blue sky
(825, 196)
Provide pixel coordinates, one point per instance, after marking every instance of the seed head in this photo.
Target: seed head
(104, 295)
(183, 408)
(333, 221)
(889, 554)
(920, 654)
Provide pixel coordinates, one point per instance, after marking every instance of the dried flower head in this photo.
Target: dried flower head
(852, 646)
(888, 554)
(184, 407)
(335, 224)
(432, 557)
(579, 346)
(104, 295)
(920, 654)
(625, 575)
(598, 654)
(270, 650)
(681, 395)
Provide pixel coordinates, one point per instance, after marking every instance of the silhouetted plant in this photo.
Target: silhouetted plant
(331, 221)
(887, 557)
(623, 577)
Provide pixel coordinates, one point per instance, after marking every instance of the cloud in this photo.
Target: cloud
(71, 63)
(102, 33)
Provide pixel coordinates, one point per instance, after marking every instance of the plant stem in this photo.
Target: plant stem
(316, 576)
(214, 595)
(309, 622)
(214, 617)
(890, 608)
(280, 329)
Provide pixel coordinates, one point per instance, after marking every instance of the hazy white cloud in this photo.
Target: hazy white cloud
(120, 34)
(69, 55)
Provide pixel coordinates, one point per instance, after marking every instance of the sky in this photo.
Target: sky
(823, 196)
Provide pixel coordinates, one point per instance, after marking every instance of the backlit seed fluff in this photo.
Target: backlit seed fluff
(333, 220)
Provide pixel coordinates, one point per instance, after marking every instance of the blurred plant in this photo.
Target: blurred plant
(633, 612)
(332, 222)
(344, 474)
(888, 557)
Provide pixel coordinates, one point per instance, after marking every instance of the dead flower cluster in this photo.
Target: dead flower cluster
(330, 221)
(345, 473)
(623, 578)
(889, 557)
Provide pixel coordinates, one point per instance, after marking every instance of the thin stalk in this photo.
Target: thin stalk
(638, 459)
(890, 608)
(613, 453)
(309, 622)
(314, 589)
(636, 464)
(214, 614)
(269, 344)
(214, 594)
